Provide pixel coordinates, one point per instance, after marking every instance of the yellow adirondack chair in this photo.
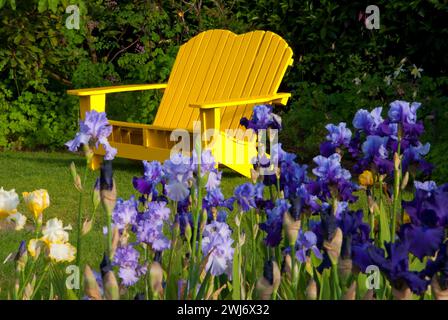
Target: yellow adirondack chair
(216, 79)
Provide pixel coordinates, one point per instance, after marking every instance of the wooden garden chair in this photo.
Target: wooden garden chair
(217, 78)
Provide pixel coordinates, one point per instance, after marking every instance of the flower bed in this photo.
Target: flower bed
(289, 234)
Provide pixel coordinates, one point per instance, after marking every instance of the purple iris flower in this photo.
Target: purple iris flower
(279, 155)
(213, 199)
(396, 266)
(303, 201)
(339, 135)
(208, 163)
(439, 265)
(178, 171)
(329, 169)
(428, 186)
(126, 258)
(429, 217)
(177, 190)
(340, 209)
(153, 174)
(327, 148)
(245, 196)
(306, 242)
(217, 245)
(125, 213)
(94, 129)
(274, 224)
(178, 166)
(403, 112)
(292, 177)
(221, 216)
(351, 223)
(262, 118)
(213, 180)
(375, 146)
(149, 228)
(414, 154)
(368, 121)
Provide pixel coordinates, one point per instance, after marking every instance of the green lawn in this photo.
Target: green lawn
(27, 171)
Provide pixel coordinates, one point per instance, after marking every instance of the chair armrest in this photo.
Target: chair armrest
(115, 89)
(278, 98)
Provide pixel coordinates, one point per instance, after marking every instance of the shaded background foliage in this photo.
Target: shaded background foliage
(340, 66)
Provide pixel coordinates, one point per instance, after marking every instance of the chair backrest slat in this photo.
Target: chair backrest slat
(218, 65)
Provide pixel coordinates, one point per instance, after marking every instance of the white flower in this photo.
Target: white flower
(60, 252)
(34, 247)
(357, 81)
(37, 201)
(55, 232)
(416, 72)
(19, 219)
(9, 200)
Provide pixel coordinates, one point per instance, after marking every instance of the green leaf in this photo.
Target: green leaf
(325, 287)
(361, 285)
(204, 286)
(53, 5)
(2, 3)
(12, 3)
(71, 295)
(42, 5)
(384, 225)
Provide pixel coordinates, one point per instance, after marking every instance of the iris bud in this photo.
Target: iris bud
(405, 181)
(204, 217)
(105, 265)
(96, 197)
(292, 227)
(86, 227)
(350, 294)
(333, 246)
(91, 287)
(188, 232)
(75, 176)
(108, 192)
(254, 175)
(156, 278)
(437, 291)
(401, 291)
(111, 290)
(116, 240)
(176, 229)
(368, 295)
(396, 161)
(311, 290)
(270, 281)
(21, 257)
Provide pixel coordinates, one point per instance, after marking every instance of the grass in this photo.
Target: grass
(28, 171)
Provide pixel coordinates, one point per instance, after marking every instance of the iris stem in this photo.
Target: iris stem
(397, 176)
(40, 281)
(147, 274)
(337, 287)
(252, 224)
(79, 230)
(293, 270)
